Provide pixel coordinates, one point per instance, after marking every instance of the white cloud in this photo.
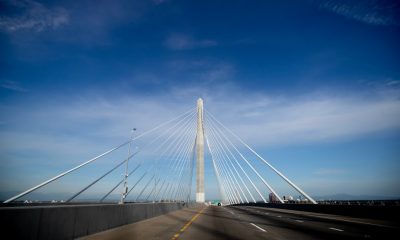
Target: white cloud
(12, 85)
(368, 11)
(262, 120)
(268, 120)
(33, 16)
(393, 83)
(179, 41)
(61, 133)
(73, 129)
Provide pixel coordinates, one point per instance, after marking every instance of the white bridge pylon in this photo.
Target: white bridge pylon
(200, 198)
(161, 168)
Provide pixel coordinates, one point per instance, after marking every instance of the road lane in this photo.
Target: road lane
(220, 223)
(289, 225)
(245, 223)
(161, 227)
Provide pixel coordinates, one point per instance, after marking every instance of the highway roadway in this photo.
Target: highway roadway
(214, 222)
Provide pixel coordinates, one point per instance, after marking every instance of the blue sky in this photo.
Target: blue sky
(313, 85)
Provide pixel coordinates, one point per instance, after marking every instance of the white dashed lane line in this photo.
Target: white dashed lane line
(258, 227)
(336, 229)
(299, 220)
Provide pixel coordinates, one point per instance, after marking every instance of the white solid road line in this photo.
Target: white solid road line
(308, 214)
(258, 227)
(337, 229)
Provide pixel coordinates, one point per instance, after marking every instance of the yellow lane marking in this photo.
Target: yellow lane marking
(187, 224)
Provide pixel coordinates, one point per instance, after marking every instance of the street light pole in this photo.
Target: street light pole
(125, 189)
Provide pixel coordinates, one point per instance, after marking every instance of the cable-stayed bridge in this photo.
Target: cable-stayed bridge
(159, 165)
(162, 170)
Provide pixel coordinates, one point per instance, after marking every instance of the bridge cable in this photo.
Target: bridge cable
(191, 175)
(223, 147)
(137, 198)
(249, 164)
(91, 160)
(167, 131)
(220, 187)
(177, 139)
(226, 159)
(152, 190)
(158, 192)
(108, 193)
(171, 143)
(263, 160)
(162, 195)
(179, 160)
(178, 157)
(192, 162)
(137, 182)
(241, 168)
(227, 188)
(226, 173)
(185, 165)
(254, 170)
(188, 158)
(101, 177)
(180, 172)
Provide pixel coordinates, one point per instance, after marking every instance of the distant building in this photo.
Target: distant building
(273, 198)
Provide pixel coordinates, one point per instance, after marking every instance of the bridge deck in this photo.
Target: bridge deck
(248, 223)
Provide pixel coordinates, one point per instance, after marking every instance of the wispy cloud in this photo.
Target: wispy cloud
(33, 16)
(289, 120)
(393, 83)
(12, 85)
(261, 119)
(201, 71)
(53, 132)
(179, 41)
(368, 11)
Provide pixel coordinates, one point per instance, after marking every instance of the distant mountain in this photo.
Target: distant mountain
(344, 196)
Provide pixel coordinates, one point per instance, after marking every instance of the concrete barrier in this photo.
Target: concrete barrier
(72, 221)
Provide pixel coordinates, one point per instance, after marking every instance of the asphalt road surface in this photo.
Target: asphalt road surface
(214, 222)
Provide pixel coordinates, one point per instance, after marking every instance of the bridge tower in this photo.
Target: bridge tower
(200, 153)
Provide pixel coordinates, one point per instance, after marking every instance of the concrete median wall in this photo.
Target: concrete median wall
(72, 221)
